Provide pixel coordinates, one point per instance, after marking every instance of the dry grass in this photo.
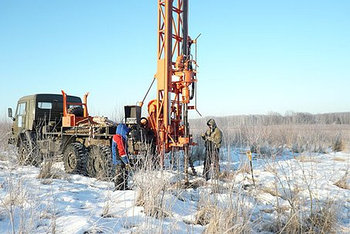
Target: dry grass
(343, 182)
(47, 172)
(271, 191)
(3, 157)
(194, 184)
(227, 176)
(18, 206)
(5, 130)
(232, 217)
(245, 169)
(338, 144)
(16, 195)
(271, 140)
(304, 158)
(151, 188)
(322, 220)
(339, 159)
(303, 214)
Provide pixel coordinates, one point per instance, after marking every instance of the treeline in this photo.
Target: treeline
(271, 133)
(300, 118)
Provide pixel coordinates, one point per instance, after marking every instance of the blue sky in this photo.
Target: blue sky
(254, 56)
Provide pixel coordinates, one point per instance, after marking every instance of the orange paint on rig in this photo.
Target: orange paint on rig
(70, 120)
(175, 77)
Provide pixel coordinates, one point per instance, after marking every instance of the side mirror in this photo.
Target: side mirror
(9, 112)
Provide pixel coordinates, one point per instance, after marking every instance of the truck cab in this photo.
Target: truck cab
(35, 111)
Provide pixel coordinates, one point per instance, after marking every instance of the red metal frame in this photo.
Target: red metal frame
(70, 120)
(175, 75)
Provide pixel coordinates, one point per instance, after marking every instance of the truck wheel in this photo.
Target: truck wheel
(92, 166)
(23, 153)
(99, 163)
(28, 153)
(74, 158)
(78, 111)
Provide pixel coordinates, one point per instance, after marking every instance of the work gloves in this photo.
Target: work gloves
(206, 137)
(127, 167)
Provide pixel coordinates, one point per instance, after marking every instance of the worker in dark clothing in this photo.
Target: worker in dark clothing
(120, 157)
(213, 139)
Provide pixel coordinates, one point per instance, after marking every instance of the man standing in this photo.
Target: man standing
(212, 138)
(120, 157)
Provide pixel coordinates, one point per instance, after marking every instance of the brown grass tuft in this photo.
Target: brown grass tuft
(304, 158)
(245, 168)
(343, 182)
(227, 176)
(322, 220)
(271, 191)
(338, 144)
(45, 171)
(151, 192)
(233, 218)
(339, 159)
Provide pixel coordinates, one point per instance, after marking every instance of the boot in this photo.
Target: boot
(121, 178)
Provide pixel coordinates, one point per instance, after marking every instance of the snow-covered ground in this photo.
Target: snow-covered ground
(158, 203)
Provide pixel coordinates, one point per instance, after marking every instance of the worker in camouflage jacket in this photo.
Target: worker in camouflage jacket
(213, 139)
(120, 157)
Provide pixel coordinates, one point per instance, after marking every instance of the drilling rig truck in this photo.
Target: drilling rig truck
(52, 124)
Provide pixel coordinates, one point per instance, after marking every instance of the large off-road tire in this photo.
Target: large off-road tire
(99, 162)
(78, 111)
(74, 158)
(28, 152)
(24, 157)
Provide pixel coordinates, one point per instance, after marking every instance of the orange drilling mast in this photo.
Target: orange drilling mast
(176, 79)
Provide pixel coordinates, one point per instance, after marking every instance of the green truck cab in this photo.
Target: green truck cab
(36, 111)
(34, 115)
